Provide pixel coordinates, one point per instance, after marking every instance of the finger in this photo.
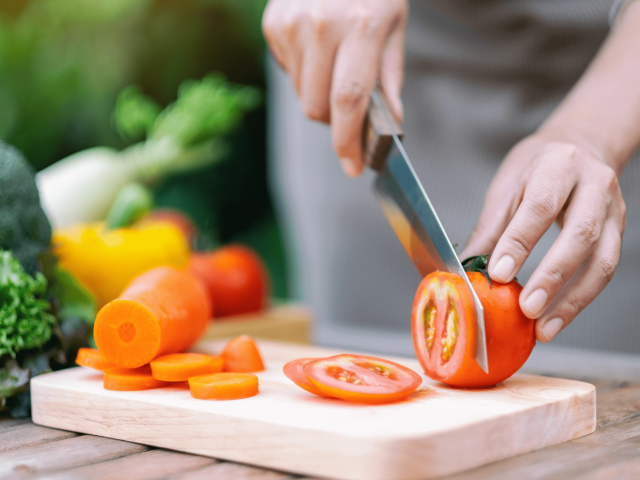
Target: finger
(583, 224)
(317, 66)
(356, 67)
(544, 197)
(585, 285)
(494, 218)
(392, 69)
(271, 28)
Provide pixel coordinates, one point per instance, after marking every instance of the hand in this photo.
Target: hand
(543, 180)
(334, 50)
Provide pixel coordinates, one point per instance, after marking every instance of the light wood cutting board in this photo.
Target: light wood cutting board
(437, 431)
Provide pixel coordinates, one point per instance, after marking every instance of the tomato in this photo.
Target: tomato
(362, 379)
(293, 371)
(235, 278)
(444, 327)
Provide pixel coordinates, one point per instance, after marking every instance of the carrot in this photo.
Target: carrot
(92, 358)
(242, 355)
(224, 386)
(124, 379)
(162, 311)
(179, 367)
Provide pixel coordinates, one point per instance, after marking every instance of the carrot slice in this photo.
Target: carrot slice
(162, 311)
(92, 358)
(293, 371)
(124, 379)
(179, 367)
(241, 355)
(224, 386)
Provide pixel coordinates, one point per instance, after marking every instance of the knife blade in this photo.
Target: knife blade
(407, 207)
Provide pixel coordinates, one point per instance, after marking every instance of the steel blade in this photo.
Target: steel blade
(414, 220)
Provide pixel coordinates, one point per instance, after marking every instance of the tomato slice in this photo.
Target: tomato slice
(443, 325)
(293, 371)
(362, 379)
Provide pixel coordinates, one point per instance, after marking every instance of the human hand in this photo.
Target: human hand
(543, 180)
(334, 51)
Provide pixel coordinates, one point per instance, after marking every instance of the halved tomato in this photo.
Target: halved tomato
(293, 371)
(444, 327)
(362, 379)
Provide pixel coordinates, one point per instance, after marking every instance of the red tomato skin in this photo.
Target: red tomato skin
(235, 278)
(294, 372)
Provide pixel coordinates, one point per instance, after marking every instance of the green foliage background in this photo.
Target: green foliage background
(63, 63)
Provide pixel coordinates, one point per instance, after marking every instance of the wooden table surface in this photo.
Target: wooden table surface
(612, 451)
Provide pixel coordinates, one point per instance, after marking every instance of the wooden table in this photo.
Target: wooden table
(612, 452)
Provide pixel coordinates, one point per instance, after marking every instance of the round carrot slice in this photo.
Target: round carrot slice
(92, 358)
(179, 367)
(224, 386)
(241, 355)
(293, 371)
(125, 379)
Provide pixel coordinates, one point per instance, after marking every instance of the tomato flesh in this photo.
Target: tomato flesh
(444, 328)
(362, 379)
(294, 372)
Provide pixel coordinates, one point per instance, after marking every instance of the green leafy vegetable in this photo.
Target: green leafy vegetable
(66, 299)
(26, 320)
(13, 380)
(135, 113)
(74, 299)
(24, 227)
(205, 109)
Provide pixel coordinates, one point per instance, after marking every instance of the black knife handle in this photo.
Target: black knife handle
(377, 132)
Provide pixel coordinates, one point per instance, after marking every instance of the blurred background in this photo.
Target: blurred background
(64, 62)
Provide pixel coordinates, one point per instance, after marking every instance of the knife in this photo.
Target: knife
(407, 207)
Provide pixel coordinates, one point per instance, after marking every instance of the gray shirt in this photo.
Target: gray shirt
(480, 76)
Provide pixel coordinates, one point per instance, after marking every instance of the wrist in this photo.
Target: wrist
(581, 139)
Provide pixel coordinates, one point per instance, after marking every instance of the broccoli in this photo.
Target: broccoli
(24, 227)
(26, 320)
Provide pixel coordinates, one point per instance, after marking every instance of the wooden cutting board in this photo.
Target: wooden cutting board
(437, 431)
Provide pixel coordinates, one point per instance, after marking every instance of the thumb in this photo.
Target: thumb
(493, 221)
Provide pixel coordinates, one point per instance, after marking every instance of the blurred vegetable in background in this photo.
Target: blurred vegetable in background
(64, 63)
(187, 135)
(105, 261)
(45, 316)
(24, 227)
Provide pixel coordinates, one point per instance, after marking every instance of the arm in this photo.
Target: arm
(568, 172)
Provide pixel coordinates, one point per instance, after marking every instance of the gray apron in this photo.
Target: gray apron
(480, 76)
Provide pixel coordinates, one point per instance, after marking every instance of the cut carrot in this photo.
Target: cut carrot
(179, 367)
(162, 311)
(241, 355)
(92, 358)
(124, 379)
(224, 386)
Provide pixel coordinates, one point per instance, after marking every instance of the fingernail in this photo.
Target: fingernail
(552, 327)
(349, 167)
(536, 302)
(503, 269)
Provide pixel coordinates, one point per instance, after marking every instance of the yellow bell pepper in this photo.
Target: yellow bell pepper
(105, 261)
